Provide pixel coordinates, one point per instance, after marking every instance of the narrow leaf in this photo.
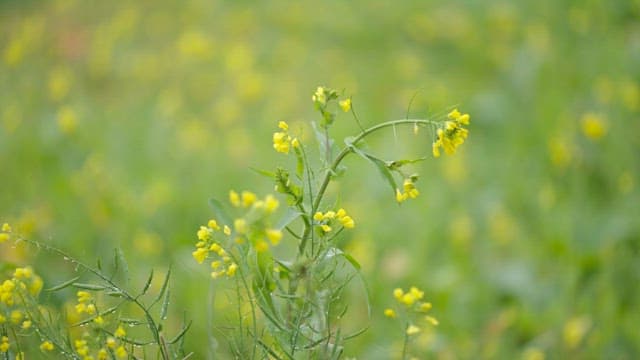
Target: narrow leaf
(288, 218)
(165, 284)
(269, 174)
(180, 334)
(63, 285)
(90, 286)
(165, 305)
(148, 284)
(119, 256)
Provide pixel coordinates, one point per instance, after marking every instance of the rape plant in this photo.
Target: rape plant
(294, 305)
(106, 321)
(293, 302)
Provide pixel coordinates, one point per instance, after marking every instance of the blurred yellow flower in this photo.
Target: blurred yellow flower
(345, 105)
(593, 126)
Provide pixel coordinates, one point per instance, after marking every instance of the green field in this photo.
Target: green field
(119, 120)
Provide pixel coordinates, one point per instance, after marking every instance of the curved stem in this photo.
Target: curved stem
(346, 151)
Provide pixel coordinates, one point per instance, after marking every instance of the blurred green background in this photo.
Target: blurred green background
(120, 119)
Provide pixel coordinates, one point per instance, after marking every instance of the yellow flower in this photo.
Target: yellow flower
(417, 293)
(326, 228)
(398, 293)
(318, 216)
(120, 333)
(274, 236)
(390, 313)
(231, 270)
(6, 227)
(226, 230)
(26, 324)
(261, 246)
(452, 135)
(213, 224)
(270, 204)
(345, 105)
(283, 125)
(329, 215)
(412, 330)
(91, 309)
(36, 285)
(215, 264)
(111, 342)
(23, 273)
(234, 198)
(248, 198)
(410, 189)
(200, 254)
(4, 237)
(432, 320)
(240, 225)
(16, 316)
(46, 346)
(281, 142)
(400, 197)
(295, 143)
(103, 354)
(435, 147)
(593, 126)
(4, 344)
(319, 96)
(121, 352)
(204, 233)
(83, 296)
(408, 299)
(424, 307)
(215, 247)
(347, 222)
(99, 320)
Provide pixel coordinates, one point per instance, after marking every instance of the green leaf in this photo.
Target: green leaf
(165, 284)
(148, 284)
(91, 287)
(396, 164)
(288, 218)
(63, 285)
(219, 212)
(165, 305)
(180, 334)
(299, 163)
(120, 261)
(381, 165)
(266, 173)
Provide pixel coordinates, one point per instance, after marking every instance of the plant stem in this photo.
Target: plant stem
(336, 162)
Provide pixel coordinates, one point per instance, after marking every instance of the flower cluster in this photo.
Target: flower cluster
(412, 304)
(86, 303)
(16, 295)
(409, 190)
(13, 293)
(247, 199)
(5, 233)
(282, 141)
(107, 348)
(324, 221)
(453, 134)
(253, 227)
(222, 264)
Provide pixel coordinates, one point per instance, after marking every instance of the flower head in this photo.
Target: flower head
(452, 134)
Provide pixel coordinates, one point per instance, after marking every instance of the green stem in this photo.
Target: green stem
(152, 324)
(336, 162)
